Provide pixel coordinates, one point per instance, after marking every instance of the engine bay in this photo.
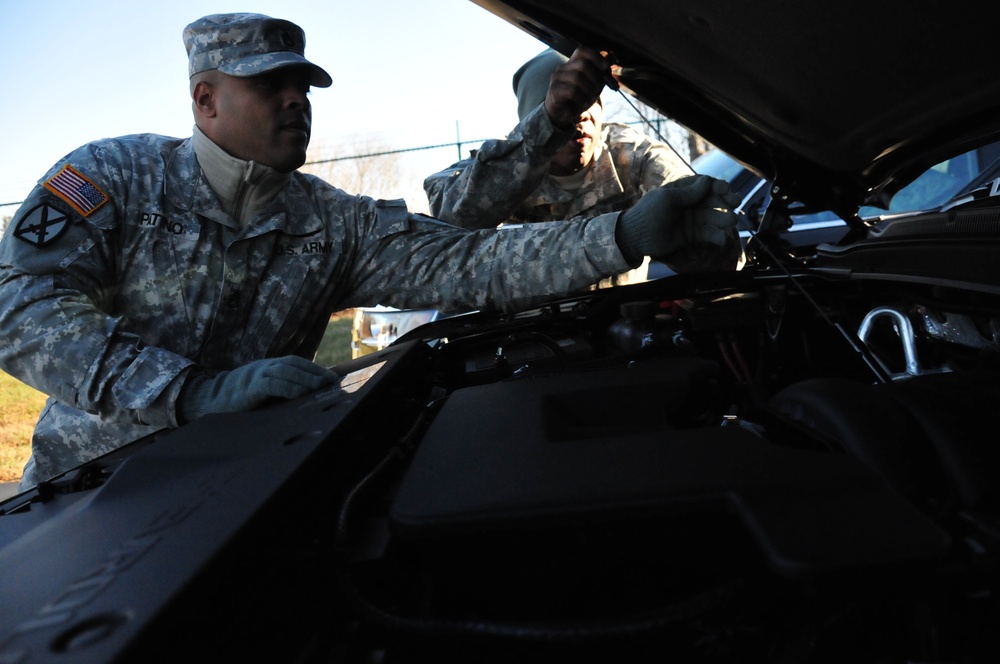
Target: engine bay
(722, 477)
(748, 467)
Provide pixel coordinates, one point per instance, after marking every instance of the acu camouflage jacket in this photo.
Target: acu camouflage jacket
(508, 180)
(120, 273)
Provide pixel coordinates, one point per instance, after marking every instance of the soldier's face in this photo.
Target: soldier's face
(266, 118)
(579, 151)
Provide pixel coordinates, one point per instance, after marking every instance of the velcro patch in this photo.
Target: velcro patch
(41, 225)
(74, 188)
(393, 217)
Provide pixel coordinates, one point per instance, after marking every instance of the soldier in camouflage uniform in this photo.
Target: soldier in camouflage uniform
(562, 162)
(147, 280)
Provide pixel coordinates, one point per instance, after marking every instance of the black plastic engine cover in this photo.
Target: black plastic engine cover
(613, 445)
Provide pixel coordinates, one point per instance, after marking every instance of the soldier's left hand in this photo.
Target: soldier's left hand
(575, 85)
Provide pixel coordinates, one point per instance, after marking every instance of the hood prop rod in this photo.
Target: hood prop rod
(855, 342)
(859, 347)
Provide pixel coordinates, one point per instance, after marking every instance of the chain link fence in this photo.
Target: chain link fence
(365, 166)
(369, 166)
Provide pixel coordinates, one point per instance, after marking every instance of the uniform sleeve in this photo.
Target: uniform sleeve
(440, 266)
(58, 267)
(657, 164)
(484, 190)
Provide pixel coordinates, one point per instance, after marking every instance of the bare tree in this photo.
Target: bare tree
(649, 121)
(368, 165)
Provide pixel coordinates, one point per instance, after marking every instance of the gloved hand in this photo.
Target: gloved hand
(249, 386)
(695, 210)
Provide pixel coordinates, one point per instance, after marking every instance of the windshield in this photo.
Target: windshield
(930, 191)
(936, 186)
(719, 165)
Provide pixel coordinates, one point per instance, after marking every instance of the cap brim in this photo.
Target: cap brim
(265, 62)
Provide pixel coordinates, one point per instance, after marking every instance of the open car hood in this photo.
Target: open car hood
(840, 104)
(791, 462)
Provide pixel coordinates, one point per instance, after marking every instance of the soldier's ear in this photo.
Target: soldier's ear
(203, 99)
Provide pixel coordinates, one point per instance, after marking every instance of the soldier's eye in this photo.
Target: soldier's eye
(266, 82)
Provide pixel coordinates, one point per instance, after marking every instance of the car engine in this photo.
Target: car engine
(784, 464)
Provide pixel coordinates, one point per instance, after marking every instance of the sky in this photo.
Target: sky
(407, 72)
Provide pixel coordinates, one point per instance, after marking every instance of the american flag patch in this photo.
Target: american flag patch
(74, 188)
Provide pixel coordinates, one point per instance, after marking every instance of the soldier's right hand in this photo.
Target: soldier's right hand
(250, 386)
(690, 213)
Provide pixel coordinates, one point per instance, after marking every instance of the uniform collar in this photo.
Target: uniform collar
(600, 181)
(292, 211)
(243, 187)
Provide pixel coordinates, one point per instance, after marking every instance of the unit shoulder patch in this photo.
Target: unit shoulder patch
(41, 225)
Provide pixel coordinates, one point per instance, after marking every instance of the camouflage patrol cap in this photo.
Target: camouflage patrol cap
(247, 45)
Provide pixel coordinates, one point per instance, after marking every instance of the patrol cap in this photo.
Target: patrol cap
(246, 44)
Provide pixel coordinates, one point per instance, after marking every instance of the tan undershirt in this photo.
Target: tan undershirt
(244, 187)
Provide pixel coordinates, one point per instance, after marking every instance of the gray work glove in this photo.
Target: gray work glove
(694, 211)
(249, 386)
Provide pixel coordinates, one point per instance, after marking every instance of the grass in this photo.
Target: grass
(336, 345)
(19, 408)
(20, 404)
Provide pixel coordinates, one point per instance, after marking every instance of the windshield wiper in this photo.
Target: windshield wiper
(976, 196)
